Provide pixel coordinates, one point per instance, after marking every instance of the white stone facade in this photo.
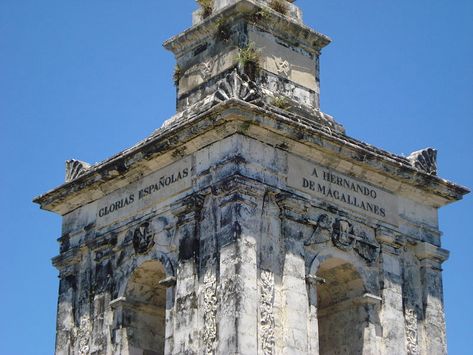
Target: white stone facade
(241, 227)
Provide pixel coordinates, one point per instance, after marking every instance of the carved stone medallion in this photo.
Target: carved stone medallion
(143, 238)
(342, 235)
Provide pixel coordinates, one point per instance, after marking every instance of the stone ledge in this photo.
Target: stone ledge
(309, 39)
(134, 162)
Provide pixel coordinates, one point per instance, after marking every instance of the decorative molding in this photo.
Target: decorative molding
(143, 238)
(236, 86)
(83, 335)
(425, 160)
(266, 312)
(410, 316)
(209, 332)
(75, 168)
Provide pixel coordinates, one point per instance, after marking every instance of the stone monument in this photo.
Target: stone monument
(250, 222)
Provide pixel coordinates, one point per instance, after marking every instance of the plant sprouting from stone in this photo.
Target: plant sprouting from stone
(260, 16)
(280, 102)
(177, 74)
(207, 7)
(280, 6)
(223, 32)
(248, 55)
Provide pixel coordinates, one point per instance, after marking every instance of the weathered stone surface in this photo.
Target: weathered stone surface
(246, 226)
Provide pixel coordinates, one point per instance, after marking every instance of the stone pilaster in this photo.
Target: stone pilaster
(270, 261)
(294, 290)
(238, 232)
(183, 323)
(434, 338)
(391, 314)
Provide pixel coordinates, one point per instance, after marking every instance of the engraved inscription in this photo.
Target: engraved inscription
(145, 192)
(331, 185)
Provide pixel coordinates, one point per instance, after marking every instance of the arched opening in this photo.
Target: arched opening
(145, 310)
(340, 308)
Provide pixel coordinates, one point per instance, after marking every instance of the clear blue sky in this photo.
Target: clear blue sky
(86, 79)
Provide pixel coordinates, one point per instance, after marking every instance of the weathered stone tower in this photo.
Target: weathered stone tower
(250, 223)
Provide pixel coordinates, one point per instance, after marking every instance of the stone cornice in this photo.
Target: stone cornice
(427, 251)
(280, 25)
(235, 116)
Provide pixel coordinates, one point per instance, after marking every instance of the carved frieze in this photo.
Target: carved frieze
(143, 238)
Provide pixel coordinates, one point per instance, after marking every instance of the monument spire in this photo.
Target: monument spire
(262, 46)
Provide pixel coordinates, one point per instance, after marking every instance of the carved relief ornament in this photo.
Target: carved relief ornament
(266, 312)
(411, 331)
(236, 86)
(344, 236)
(83, 335)
(75, 168)
(209, 332)
(282, 66)
(143, 238)
(425, 160)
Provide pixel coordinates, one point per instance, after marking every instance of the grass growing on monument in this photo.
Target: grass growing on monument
(248, 55)
(177, 74)
(281, 102)
(279, 6)
(207, 7)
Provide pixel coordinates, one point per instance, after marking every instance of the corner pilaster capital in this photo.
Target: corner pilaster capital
(292, 207)
(431, 255)
(66, 260)
(189, 207)
(390, 240)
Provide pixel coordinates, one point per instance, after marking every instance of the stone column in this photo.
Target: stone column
(433, 339)
(392, 313)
